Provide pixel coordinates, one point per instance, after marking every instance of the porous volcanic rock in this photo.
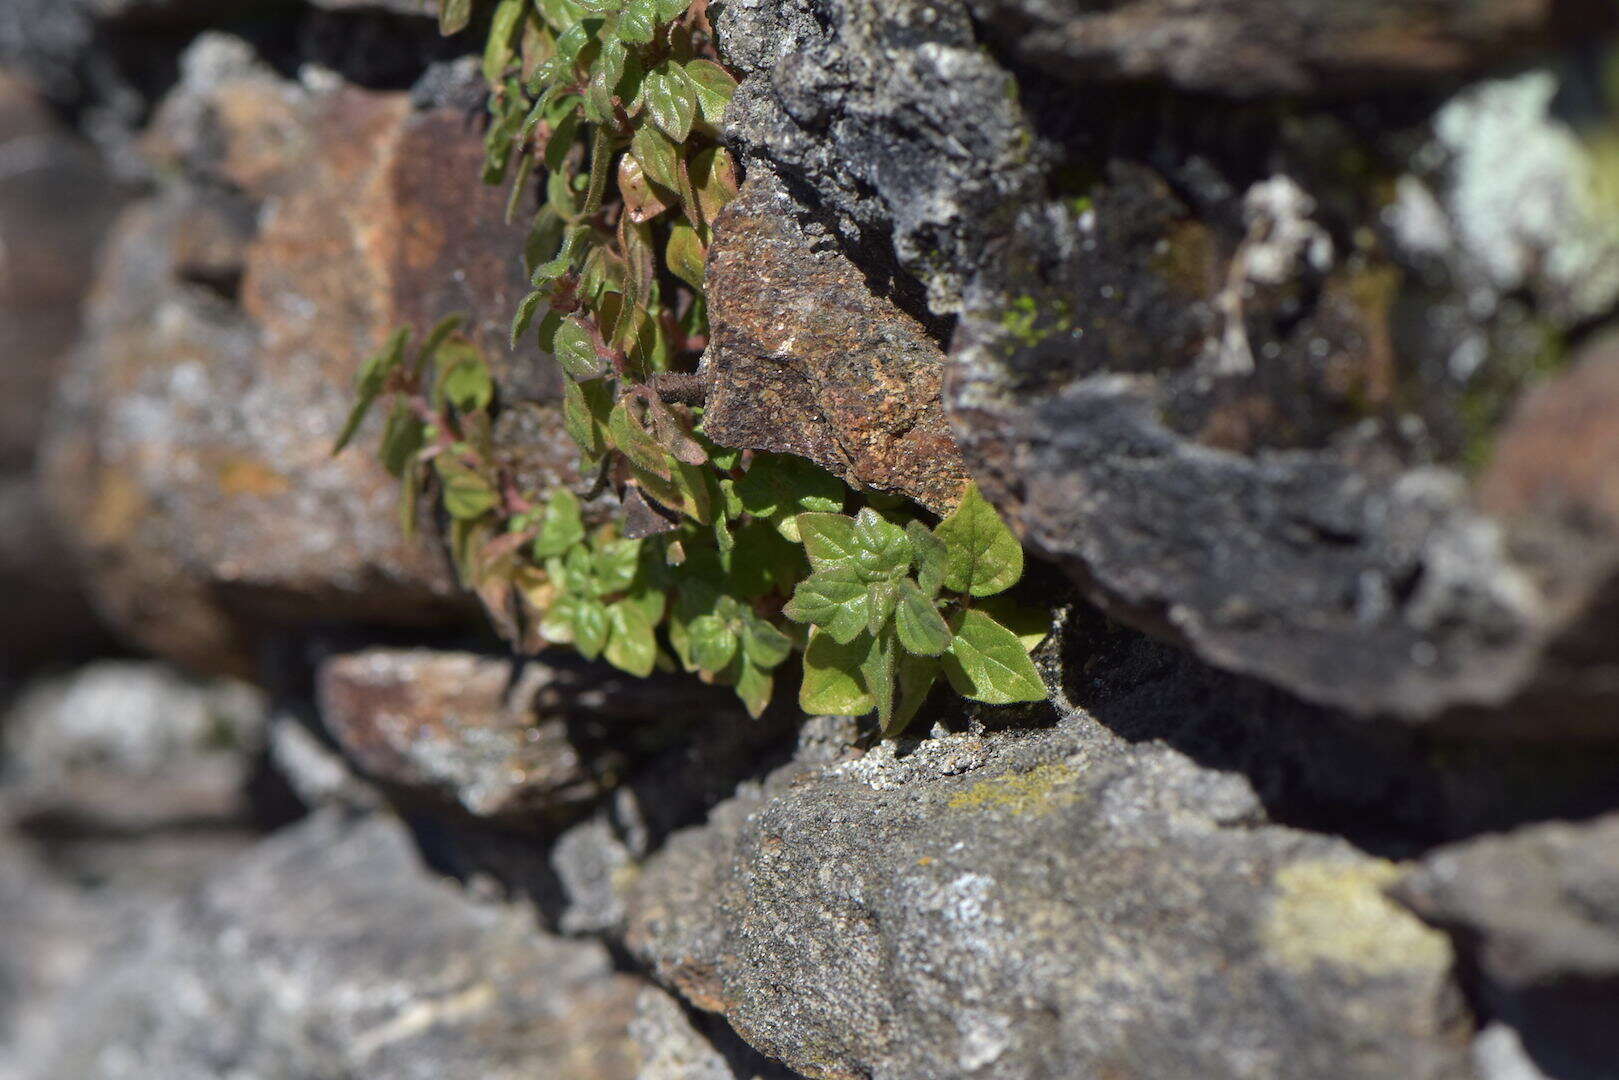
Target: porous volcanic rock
(330, 950)
(1536, 912)
(805, 360)
(1043, 904)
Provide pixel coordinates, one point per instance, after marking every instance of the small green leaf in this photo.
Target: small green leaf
(1032, 625)
(829, 541)
(764, 562)
(631, 437)
(882, 549)
(762, 643)
(525, 315)
(575, 349)
(671, 100)
(401, 438)
(834, 599)
(713, 642)
(713, 178)
(755, 687)
(922, 630)
(453, 16)
(915, 675)
(931, 557)
(670, 10)
(562, 138)
(605, 72)
(637, 20)
(877, 669)
(685, 255)
(987, 662)
(616, 563)
(632, 643)
(833, 684)
(584, 409)
(466, 384)
(466, 494)
(590, 626)
(658, 156)
(368, 385)
(561, 526)
(983, 557)
(881, 596)
(499, 48)
(712, 85)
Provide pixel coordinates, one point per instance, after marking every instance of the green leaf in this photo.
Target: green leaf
(617, 561)
(659, 157)
(881, 596)
(637, 21)
(561, 526)
(670, 10)
(882, 549)
(922, 630)
(755, 687)
(829, 541)
(834, 599)
(987, 662)
(877, 669)
(931, 557)
(642, 200)
(1032, 625)
(584, 409)
(632, 643)
(499, 47)
(436, 338)
(713, 642)
(764, 562)
(401, 438)
(915, 675)
(591, 626)
(763, 644)
(368, 385)
(525, 315)
(833, 684)
(466, 494)
(671, 100)
(466, 384)
(453, 16)
(788, 484)
(712, 85)
(575, 349)
(637, 443)
(685, 255)
(562, 138)
(605, 72)
(982, 555)
(713, 178)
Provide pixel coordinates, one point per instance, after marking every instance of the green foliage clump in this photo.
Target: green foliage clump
(723, 563)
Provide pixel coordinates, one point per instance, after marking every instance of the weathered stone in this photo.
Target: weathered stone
(194, 452)
(1536, 912)
(1043, 904)
(805, 360)
(1256, 444)
(888, 115)
(525, 743)
(671, 1049)
(330, 951)
(129, 747)
(1254, 47)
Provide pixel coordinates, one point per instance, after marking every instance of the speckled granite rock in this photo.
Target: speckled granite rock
(1043, 904)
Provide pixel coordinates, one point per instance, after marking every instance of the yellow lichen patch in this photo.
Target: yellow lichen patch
(1032, 792)
(1336, 913)
(244, 476)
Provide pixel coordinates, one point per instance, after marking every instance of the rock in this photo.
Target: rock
(1259, 444)
(329, 950)
(671, 1048)
(1536, 913)
(804, 359)
(1043, 903)
(126, 747)
(1262, 47)
(528, 744)
(890, 117)
(192, 459)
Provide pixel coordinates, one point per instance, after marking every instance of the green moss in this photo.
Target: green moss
(1027, 793)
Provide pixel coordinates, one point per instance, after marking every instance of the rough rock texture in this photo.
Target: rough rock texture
(1536, 912)
(330, 951)
(193, 456)
(805, 360)
(1252, 47)
(520, 743)
(1043, 904)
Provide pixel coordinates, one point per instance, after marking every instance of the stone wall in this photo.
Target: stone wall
(1284, 335)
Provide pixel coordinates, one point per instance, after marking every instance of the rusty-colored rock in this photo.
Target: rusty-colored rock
(806, 359)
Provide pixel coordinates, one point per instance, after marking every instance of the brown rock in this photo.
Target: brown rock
(193, 457)
(1254, 47)
(805, 359)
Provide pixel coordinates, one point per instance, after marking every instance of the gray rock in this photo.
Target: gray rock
(890, 116)
(331, 951)
(1043, 904)
(1253, 47)
(1536, 913)
(671, 1048)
